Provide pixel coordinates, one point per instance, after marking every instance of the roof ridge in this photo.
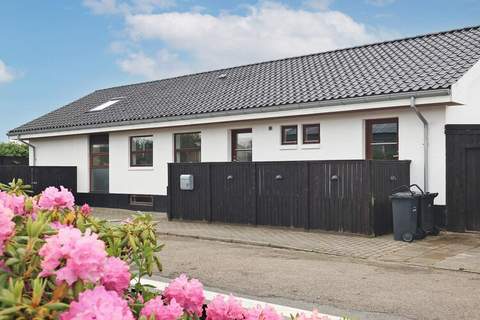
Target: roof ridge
(300, 56)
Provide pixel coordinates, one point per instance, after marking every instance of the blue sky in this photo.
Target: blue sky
(53, 52)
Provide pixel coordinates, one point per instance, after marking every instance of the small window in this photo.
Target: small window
(382, 139)
(104, 105)
(141, 200)
(242, 145)
(188, 147)
(141, 151)
(311, 133)
(289, 134)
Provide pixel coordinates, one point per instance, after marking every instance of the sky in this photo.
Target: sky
(53, 52)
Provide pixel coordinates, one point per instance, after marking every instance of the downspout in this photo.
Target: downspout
(425, 142)
(34, 156)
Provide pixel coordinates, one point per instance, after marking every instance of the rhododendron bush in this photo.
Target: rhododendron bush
(57, 261)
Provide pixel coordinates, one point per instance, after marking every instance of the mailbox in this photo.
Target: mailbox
(186, 182)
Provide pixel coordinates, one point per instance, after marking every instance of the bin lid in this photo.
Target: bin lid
(405, 195)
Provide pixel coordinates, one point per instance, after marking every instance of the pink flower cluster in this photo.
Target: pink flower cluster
(266, 313)
(86, 210)
(99, 304)
(84, 256)
(15, 203)
(229, 309)
(162, 311)
(187, 293)
(116, 275)
(71, 256)
(315, 316)
(53, 199)
(7, 226)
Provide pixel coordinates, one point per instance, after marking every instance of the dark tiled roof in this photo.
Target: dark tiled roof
(432, 61)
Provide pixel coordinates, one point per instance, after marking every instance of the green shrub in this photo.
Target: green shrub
(13, 149)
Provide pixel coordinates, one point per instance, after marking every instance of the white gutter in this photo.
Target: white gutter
(425, 142)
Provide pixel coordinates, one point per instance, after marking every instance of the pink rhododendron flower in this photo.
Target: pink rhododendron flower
(86, 210)
(14, 202)
(162, 311)
(7, 226)
(315, 316)
(52, 198)
(259, 313)
(187, 293)
(98, 304)
(221, 309)
(116, 275)
(84, 256)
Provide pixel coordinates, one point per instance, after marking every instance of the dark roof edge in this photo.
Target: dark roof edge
(296, 57)
(308, 105)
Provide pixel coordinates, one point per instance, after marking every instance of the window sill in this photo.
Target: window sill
(288, 147)
(311, 146)
(141, 168)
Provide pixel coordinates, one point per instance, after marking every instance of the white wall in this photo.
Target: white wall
(342, 137)
(467, 92)
(64, 151)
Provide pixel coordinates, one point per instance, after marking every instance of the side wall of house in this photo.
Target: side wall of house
(342, 137)
(467, 92)
(65, 151)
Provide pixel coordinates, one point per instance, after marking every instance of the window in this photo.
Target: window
(382, 139)
(141, 151)
(141, 200)
(289, 134)
(104, 105)
(188, 147)
(311, 133)
(99, 163)
(242, 145)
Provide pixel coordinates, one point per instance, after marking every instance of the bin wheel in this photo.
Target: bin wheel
(407, 237)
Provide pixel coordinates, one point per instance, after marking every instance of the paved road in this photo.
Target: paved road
(336, 285)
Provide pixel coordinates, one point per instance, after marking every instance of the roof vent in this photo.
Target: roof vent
(104, 105)
(222, 76)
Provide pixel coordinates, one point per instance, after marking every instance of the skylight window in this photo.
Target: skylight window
(104, 105)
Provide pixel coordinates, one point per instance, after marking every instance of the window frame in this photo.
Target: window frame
(369, 135)
(283, 136)
(136, 152)
(304, 135)
(92, 140)
(133, 202)
(175, 149)
(234, 142)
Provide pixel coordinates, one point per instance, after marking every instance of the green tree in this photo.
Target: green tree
(13, 149)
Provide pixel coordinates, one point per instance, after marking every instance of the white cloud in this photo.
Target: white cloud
(6, 74)
(268, 31)
(317, 4)
(162, 64)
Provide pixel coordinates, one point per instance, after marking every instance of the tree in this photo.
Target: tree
(13, 149)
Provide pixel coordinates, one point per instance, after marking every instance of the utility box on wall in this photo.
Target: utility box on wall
(186, 182)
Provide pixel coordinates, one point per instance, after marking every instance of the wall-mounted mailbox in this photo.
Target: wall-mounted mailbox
(186, 182)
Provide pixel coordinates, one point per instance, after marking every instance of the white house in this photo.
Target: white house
(389, 100)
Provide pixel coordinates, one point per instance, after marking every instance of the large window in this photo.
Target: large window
(99, 163)
(311, 133)
(382, 139)
(141, 151)
(289, 134)
(188, 147)
(242, 145)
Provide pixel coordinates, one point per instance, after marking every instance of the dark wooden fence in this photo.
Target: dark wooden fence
(340, 195)
(41, 177)
(10, 160)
